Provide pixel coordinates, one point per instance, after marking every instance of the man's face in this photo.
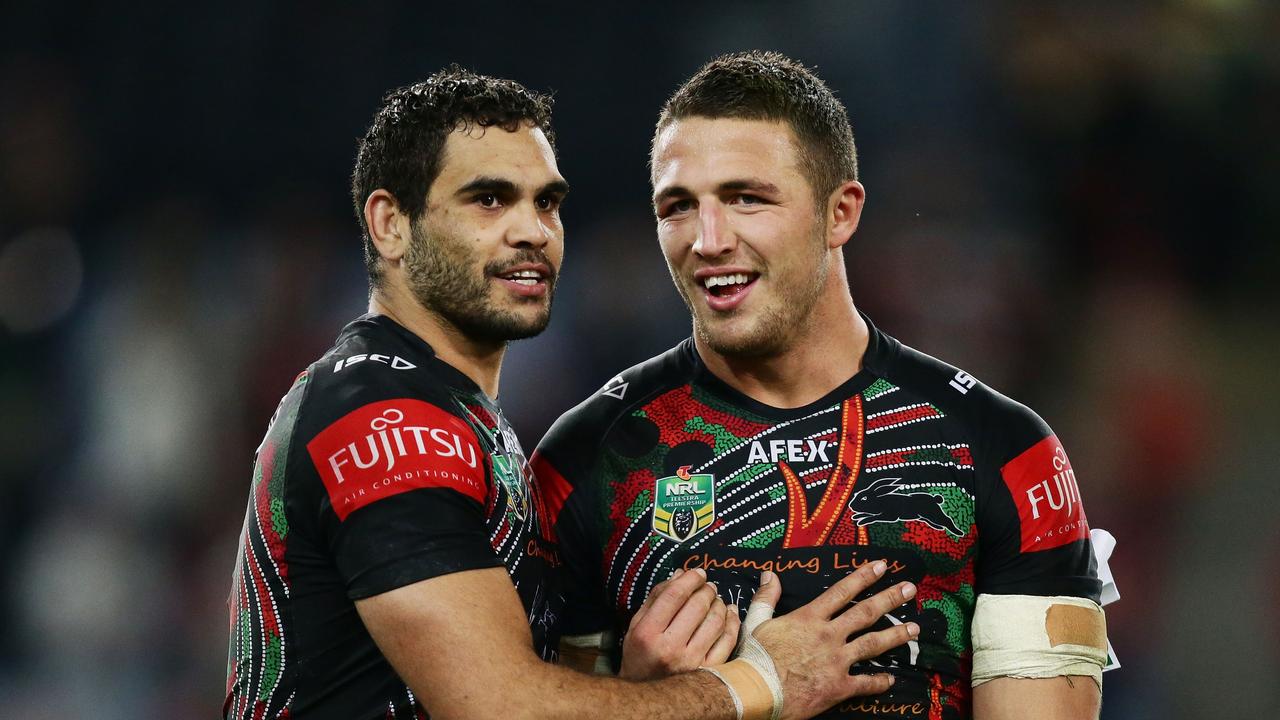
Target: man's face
(486, 253)
(740, 230)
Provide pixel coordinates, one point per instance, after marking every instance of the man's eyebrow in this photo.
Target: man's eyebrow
(555, 187)
(735, 185)
(495, 185)
(670, 192)
(502, 186)
(759, 186)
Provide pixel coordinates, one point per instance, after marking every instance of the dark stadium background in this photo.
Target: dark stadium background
(1075, 201)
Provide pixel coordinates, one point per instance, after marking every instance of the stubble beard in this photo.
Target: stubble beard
(776, 326)
(438, 270)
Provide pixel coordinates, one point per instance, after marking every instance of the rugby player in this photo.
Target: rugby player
(395, 559)
(791, 435)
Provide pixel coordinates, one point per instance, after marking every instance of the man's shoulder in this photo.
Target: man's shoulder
(980, 409)
(370, 365)
(585, 424)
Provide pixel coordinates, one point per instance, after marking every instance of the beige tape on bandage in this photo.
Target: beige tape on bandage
(1026, 636)
(751, 695)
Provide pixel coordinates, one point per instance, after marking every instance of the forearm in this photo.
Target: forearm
(538, 691)
(1071, 697)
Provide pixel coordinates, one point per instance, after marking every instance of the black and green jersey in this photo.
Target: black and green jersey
(383, 466)
(958, 488)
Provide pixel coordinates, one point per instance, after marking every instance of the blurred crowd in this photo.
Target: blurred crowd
(1073, 201)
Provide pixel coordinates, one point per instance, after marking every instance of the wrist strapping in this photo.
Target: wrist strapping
(753, 698)
(751, 676)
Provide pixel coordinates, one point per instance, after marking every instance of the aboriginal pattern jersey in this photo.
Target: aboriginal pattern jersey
(959, 489)
(383, 466)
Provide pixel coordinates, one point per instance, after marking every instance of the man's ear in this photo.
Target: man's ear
(844, 209)
(388, 226)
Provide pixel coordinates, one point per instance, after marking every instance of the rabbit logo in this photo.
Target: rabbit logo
(886, 500)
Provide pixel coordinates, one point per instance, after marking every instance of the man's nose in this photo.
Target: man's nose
(715, 237)
(528, 227)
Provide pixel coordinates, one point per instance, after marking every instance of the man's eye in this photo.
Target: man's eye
(488, 200)
(748, 200)
(680, 206)
(547, 203)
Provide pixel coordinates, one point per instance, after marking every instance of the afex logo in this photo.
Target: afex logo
(792, 451)
(393, 446)
(1044, 488)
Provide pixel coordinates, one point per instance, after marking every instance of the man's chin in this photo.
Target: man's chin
(739, 342)
(498, 327)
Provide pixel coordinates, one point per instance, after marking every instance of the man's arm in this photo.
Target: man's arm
(1039, 636)
(1070, 697)
(462, 643)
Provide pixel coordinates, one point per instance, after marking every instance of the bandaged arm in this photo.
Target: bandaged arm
(750, 678)
(1037, 652)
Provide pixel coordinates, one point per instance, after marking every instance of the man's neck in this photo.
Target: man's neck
(479, 361)
(827, 353)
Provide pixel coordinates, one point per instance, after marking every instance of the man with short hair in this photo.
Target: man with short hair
(395, 559)
(790, 435)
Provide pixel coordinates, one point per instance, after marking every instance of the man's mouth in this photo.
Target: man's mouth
(728, 285)
(724, 289)
(526, 279)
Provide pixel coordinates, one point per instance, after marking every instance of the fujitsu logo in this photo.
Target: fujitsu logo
(1059, 491)
(389, 441)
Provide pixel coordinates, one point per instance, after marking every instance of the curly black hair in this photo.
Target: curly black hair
(759, 85)
(400, 152)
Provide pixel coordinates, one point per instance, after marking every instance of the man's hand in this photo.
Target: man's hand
(811, 646)
(682, 625)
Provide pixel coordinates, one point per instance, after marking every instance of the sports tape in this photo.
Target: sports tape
(1028, 636)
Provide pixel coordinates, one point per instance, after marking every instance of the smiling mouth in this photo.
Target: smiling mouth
(528, 278)
(726, 286)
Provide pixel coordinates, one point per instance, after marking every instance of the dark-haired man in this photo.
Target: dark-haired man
(395, 559)
(791, 435)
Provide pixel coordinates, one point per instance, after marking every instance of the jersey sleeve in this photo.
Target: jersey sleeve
(1032, 530)
(398, 488)
(561, 463)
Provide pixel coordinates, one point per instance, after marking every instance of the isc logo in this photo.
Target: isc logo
(963, 382)
(396, 362)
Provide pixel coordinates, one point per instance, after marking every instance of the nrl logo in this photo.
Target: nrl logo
(507, 467)
(684, 504)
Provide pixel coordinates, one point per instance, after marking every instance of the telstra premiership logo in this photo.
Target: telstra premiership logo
(684, 504)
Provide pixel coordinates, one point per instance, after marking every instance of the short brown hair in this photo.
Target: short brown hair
(758, 85)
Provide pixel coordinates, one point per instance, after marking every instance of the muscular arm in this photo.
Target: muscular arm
(462, 643)
(1071, 697)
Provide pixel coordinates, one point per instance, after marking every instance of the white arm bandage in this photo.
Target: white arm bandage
(1027, 636)
(751, 676)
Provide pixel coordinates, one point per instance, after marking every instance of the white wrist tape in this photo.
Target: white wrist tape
(757, 613)
(752, 677)
(755, 690)
(751, 651)
(1027, 636)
